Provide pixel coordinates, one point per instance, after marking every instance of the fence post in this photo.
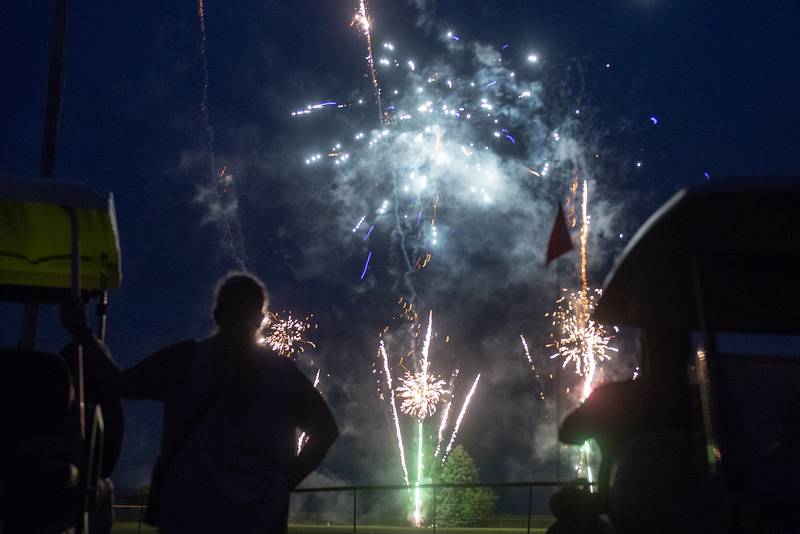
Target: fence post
(434, 510)
(354, 510)
(530, 506)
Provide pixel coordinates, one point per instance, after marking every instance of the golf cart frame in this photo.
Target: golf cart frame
(716, 261)
(58, 242)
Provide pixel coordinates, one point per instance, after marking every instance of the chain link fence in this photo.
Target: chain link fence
(517, 507)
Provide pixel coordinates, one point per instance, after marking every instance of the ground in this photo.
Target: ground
(133, 528)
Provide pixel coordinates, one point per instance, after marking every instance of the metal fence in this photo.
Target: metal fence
(130, 508)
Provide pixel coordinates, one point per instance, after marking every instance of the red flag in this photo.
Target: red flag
(560, 240)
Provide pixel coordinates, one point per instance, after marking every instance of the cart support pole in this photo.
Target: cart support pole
(55, 83)
(75, 289)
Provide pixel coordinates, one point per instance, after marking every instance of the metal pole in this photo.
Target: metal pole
(354, 510)
(558, 386)
(102, 315)
(141, 511)
(434, 510)
(54, 90)
(52, 111)
(530, 507)
(75, 284)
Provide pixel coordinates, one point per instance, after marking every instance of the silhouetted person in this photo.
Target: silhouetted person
(660, 399)
(231, 412)
(781, 474)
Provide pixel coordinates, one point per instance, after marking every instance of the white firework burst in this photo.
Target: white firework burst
(421, 394)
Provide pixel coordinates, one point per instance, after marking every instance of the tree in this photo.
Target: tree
(462, 507)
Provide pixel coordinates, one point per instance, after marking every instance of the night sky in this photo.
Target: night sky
(720, 80)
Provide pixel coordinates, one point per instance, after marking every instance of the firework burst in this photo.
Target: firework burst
(421, 394)
(285, 334)
(577, 339)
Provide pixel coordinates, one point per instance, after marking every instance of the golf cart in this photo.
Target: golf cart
(58, 241)
(720, 261)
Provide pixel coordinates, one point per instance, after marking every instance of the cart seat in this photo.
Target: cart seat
(40, 443)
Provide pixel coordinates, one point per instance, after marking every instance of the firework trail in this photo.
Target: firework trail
(287, 336)
(303, 438)
(388, 374)
(576, 337)
(220, 181)
(423, 393)
(399, 235)
(201, 13)
(527, 351)
(421, 405)
(584, 239)
(363, 20)
(442, 427)
(445, 414)
(366, 265)
(460, 418)
(537, 375)
(420, 467)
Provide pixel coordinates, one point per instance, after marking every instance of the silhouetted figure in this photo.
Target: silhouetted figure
(660, 399)
(231, 412)
(781, 472)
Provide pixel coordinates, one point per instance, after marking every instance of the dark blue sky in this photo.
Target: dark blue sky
(722, 79)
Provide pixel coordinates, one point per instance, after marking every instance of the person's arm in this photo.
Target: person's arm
(158, 374)
(98, 363)
(316, 420)
(152, 378)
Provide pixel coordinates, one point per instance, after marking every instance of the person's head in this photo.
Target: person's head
(664, 354)
(240, 303)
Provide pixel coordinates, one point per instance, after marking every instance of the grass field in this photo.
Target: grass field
(133, 528)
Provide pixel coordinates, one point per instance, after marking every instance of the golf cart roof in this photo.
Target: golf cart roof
(733, 244)
(35, 241)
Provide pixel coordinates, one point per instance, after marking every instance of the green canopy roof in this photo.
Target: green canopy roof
(35, 235)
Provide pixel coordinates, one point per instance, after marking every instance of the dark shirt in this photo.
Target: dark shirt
(264, 398)
(233, 468)
(163, 376)
(160, 374)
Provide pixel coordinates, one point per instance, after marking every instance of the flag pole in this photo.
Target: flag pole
(558, 386)
(560, 243)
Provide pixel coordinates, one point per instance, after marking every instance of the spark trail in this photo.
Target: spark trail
(388, 376)
(460, 418)
(363, 20)
(423, 394)
(303, 438)
(220, 182)
(576, 337)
